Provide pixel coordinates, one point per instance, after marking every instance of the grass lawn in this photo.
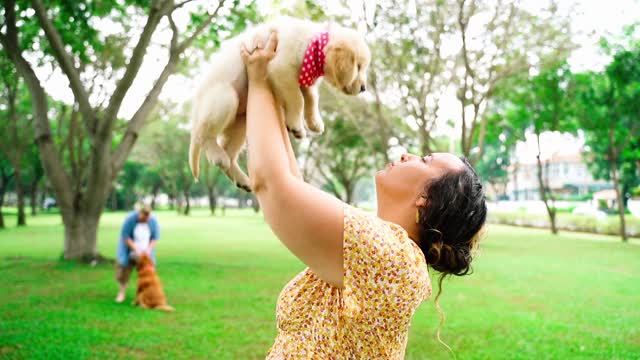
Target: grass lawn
(532, 296)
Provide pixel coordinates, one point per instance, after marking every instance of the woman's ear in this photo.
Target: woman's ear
(421, 202)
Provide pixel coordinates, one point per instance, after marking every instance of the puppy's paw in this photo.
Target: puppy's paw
(216, 155)
(315, 124)
(222, 163)
(243, 186)
(297, 133)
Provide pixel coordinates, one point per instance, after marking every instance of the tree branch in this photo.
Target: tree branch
(66, 63)
(138, 119)
(187, 42)
(157, 11)
(178, 6)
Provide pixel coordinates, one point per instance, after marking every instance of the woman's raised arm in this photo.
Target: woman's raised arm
(308, 221)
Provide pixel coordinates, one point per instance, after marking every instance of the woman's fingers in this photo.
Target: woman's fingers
(244, 53)
(272, 43)
(257, 43)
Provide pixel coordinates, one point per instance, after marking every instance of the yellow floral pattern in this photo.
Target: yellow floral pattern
(385, 280)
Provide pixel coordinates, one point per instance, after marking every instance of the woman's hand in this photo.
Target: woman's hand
(257, 59)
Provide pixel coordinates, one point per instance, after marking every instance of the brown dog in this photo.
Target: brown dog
(149, 294)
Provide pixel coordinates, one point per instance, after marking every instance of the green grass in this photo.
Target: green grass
(532, 296)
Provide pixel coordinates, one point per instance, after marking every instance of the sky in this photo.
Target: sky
(592, 19)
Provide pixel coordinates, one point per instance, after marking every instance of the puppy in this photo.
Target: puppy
(149, 294)
(306, 51)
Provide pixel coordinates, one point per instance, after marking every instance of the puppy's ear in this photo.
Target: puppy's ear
(341, 63)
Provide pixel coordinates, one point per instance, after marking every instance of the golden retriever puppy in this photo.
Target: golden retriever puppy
(149, 294)
(306, 52)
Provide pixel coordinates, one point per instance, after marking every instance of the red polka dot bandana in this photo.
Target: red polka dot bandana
(313, 63)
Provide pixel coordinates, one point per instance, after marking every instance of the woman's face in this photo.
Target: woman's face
(406, 178)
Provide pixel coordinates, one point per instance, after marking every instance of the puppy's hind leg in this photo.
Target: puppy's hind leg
(233, 141)
(216, 110)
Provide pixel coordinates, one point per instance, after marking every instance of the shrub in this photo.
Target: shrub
(567, 221)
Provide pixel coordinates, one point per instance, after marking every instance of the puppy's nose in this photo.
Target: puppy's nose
(362, 88)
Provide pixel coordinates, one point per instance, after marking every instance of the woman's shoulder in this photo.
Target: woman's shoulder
(384, 251)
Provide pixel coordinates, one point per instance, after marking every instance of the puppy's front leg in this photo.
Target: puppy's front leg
(293, 104)
(311, 112)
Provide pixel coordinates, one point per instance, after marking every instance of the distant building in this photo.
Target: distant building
(565, 174)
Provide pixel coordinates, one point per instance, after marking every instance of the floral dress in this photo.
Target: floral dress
(385, 280)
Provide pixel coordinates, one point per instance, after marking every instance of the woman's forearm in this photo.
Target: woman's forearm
(293, 162)
(268, 154)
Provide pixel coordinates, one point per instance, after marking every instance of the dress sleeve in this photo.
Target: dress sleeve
(383, 268)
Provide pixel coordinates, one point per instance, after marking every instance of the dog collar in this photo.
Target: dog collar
(313, 63)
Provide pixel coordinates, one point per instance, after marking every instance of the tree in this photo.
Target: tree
(509, 41)
(407, 59)
(6, 174)
(213, 182)
(34, 175)
(538, 104)
(152, 184)
(341, 156)
(499, 144)
(609, 109)
(15, 132)
(69, 33)
(163, 148)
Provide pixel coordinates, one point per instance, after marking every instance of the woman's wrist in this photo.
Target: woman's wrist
(259, 83)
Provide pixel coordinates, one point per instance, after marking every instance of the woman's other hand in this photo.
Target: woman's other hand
(257, 59)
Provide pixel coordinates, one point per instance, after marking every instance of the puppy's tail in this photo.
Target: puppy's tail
(165, 307)
(194, 157)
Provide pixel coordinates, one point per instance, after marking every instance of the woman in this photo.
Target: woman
(366, 274)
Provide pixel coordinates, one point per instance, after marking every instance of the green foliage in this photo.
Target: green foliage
(499, 144)
(609, 109)
(531, 296)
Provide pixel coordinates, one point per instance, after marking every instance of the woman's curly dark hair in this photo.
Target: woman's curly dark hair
(452, 219)
(450, 225)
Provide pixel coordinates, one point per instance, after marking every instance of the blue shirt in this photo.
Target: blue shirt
(126, 232)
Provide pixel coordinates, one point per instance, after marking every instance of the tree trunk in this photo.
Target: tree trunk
(22, 219)
(43, 196)
(213, 199)
(2, 192)
(114, 199)
(187, 207)
(172, 201)
(255, 204)
(154, 195)
(616, 184)
(242, 200)
(34, 197)
(515, 181)
(80, 238)
(623, 224)
(543, 192)
(348, 190)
